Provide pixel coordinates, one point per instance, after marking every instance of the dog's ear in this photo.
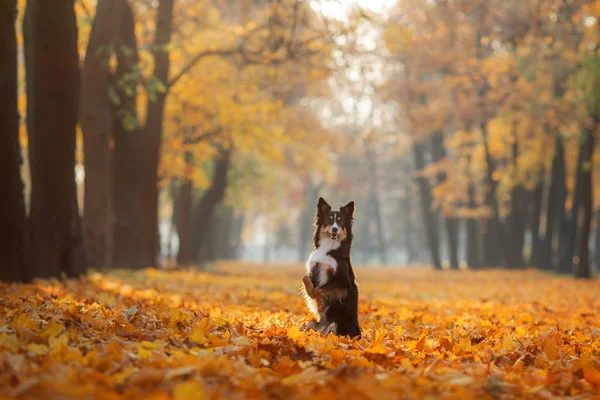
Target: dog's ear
(348, 210)
(322, 207)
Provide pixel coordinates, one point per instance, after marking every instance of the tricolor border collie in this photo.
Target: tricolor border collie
(330, 289)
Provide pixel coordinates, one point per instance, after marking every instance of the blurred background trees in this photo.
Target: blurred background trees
(183, 132)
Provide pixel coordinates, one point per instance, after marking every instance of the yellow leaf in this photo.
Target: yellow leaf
(58, 341)
(509, 342)
(244, 341)
(399, 330)
(144, 353)
(294, 332)
(9, 341)
(37, 349)
(52, 328)
(189, 390)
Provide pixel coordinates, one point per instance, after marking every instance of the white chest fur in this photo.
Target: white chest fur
(319, 255)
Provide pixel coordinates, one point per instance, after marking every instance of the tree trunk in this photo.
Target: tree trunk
(128, 152)
(96, 125)
(473, 259)
(597, 240)
(496, 246)
(206, 253)
(13, 234)
(517, 225)
(236, 237)
(184, 221)
(584, 268)
(452, 232)
(567, 240)
(311, 194)
(517, 220)
(556, 205)
(224, 242)
(431, 227)
(381, 247)
(52, 67)
(409, 228)
(451, 224)
(154, 123)
(206, 206)
(536, 213)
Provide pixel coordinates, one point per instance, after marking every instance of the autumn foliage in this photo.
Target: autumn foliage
(233, 332)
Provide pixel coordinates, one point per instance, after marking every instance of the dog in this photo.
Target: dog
(329, 289)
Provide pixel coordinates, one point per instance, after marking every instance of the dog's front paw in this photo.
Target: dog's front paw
(308, 286)
(332, 328)
(311, 325)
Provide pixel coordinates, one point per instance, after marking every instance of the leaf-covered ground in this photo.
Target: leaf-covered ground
(234, 333)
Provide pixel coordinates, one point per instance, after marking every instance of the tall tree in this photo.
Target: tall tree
(184, 220)
(154, 126)
(13, 234)
(431, 225)
(557, 194)
(517, 219)
(96, 125)
(584, 268)
(52, 69)
(375, 203)
(535, 219)
(567, 238)
(597, 241)
(306, 219)
(439, 153)
(129, 144)
(212, 197)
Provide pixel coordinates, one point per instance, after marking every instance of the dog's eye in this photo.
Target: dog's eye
(339, 219)
(331, 217)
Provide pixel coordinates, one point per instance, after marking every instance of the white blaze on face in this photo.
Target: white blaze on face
(335, 224)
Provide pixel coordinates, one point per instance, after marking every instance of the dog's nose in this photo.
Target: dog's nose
(334, 229)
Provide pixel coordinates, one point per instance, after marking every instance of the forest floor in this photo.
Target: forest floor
(233, 333)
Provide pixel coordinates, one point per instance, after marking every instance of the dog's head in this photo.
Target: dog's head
(334, 224)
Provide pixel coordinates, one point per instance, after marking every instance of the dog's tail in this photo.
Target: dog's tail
(311, 304)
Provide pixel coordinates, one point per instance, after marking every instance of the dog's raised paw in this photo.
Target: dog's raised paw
(308, 286)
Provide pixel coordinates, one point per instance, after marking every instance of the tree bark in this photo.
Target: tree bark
(96, 125)
(52, 68)
(567, 240)
(13, 234)
(473, 245)
(496, 246)
(206, 206)
(535, 218)
(518, 215)
(597, 240)
(236, 237)
(224, 242)
(451, 224)
(154, 123)
(207, 251)
(452, 232)
(556, 204)
(409, 228)
(184, 220)
(584, 268)
(129, 144)
(431, 228)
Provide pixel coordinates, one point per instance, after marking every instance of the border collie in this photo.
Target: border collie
(330, 289)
